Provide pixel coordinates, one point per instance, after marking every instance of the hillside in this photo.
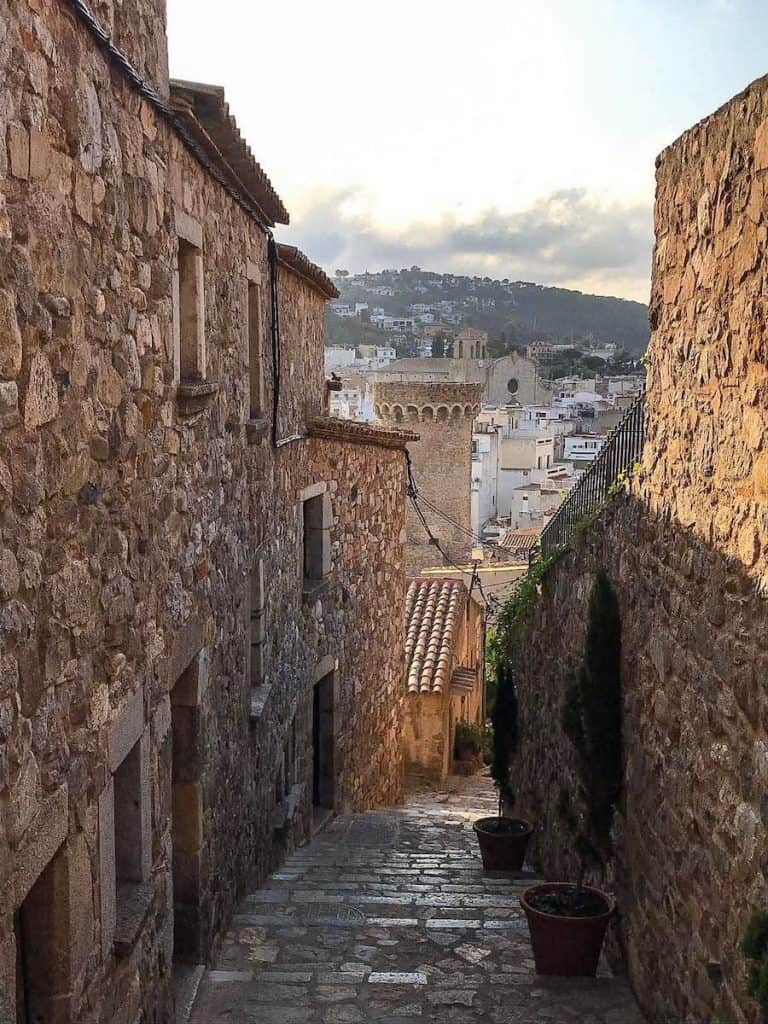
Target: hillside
(522, 311)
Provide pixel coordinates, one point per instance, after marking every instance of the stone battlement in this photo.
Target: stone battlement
(426, 401)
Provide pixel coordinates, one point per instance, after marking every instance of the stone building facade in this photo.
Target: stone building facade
(470, 344)
(514, 379)
(686, 547)
(445, 680)
(443, 415)
(508, 380)
(195, 667)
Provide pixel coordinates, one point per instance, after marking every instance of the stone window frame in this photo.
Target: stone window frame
(190, 928)
(46, 876)
(125, 901)
(255, 633)
(256, 424)
(189, 233)
(315, 525)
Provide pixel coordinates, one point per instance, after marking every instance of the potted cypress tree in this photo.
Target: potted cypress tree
(567, 920)
(503, 840)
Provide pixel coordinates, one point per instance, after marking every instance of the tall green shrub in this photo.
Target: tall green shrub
(592, 708)
(505, 729)
(754, 946)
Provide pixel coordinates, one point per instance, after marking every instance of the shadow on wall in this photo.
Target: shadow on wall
(689, 859)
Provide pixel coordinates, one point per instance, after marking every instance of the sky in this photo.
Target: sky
(508, 138)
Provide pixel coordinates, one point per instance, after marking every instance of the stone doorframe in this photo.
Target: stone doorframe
(49, 886)
(326, 673)
(191, 937)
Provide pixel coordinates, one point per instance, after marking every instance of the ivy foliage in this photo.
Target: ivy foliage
(517, 613)
(754, 946)
(592, 708)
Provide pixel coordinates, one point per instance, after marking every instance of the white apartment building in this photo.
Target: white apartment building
(377, 356)
(583, 449)
(353, 402)
(337, 356)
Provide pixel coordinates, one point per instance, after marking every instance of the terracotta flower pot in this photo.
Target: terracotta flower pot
(563, 945)
(465, 753)
(502, 850)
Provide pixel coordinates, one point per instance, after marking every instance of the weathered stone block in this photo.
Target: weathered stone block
(41, 404)
(10, 337)
(18, 151)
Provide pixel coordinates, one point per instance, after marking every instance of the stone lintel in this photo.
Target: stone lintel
(188, 228)
(313, 490)
(126, 730)
(187, 642)
(38, 845)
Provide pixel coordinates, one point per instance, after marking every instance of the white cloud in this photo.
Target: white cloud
(567, 238)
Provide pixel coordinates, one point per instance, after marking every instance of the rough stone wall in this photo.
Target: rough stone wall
(442, 415)
(686, 551)
(137, 28)
(302, 326)
(360, 619)
(131, 525)
(707, 372)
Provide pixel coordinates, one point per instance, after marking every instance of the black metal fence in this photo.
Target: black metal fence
(620, 452)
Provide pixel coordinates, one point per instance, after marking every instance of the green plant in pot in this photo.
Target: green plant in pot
(468, 742)
(568, 920)
(503, 840)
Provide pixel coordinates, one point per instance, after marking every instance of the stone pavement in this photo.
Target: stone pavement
(388, 916)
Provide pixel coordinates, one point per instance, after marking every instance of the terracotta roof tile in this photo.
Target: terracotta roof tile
(205, 112)
(433, 619)
(336, 429)
(295, 260)
(517, 540)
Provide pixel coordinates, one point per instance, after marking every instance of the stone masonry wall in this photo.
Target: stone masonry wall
(686, 550)
(442, 414)
(131, 524)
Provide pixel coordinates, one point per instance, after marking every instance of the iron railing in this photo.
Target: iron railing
(620, 452)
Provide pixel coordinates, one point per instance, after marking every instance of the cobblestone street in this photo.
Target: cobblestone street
(388, 916)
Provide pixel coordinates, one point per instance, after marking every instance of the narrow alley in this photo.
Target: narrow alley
(388, 916)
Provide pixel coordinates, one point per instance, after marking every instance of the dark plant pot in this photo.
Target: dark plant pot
(502, 851)
(466, 754)
(566, 946)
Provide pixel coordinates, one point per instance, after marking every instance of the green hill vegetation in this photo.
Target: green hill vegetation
(520, 311)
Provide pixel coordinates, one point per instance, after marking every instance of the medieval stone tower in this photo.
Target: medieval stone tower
(442, 414)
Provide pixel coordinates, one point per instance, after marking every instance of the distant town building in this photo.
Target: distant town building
(470, 344)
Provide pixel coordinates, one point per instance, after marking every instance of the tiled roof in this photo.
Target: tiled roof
(205, 113)
(300, 264)
(434, 608)
(520, 540)
(335, 428)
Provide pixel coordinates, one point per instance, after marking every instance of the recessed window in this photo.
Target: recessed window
(41, 931)
(255, 352)
(256, 625)
(317, 519)
(191, 313)
(130, 831)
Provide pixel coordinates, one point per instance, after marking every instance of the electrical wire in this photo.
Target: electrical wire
(491, 603)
